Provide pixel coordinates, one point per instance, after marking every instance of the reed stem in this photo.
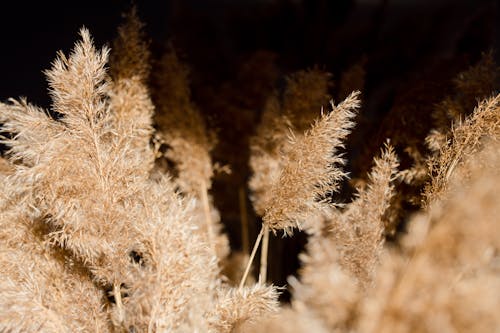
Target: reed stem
(117, 293)
(208, 218)
(252, 256)
(263, 256)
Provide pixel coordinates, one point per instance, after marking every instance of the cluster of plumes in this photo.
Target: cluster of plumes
(341, 258)
(467, 88)
(443, 275)
(107, 224)
(93, 237)
(345, 241)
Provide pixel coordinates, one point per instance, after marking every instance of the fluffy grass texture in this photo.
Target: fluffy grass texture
(98, 209)
(182, 127)
(310, 168)
(129, 94)
(447, 279)
(107, 223)
(305, 94)
(85, 223)
(188, 143)
(239, 307)
(342, 254)
(42, 288)
(442, 276)
(5, 167)
(465, 139)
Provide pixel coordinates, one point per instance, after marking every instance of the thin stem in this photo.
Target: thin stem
(244, 220)
(263, 256)
(252, 256)
(117, 293)
(208, 218)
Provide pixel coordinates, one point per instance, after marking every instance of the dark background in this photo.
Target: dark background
(404, 46)
(399, 35)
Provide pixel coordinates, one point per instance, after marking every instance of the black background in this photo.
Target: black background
(398, 35)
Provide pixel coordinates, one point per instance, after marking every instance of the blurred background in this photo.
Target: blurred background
(407, 53)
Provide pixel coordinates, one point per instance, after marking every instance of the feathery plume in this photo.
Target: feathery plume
(79, 83)
(78, 88)
(41, 288)
(32, 127)
(304, 94)
(466, 139)
(359, 230)
(447, 279)
(130, 100)
(132, 234)
(298, 108)
(343, 251)
(310, 168)
(236, 307)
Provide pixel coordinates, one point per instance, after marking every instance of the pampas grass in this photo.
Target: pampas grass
(108, 223)
(134, 237)
(309, 168)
